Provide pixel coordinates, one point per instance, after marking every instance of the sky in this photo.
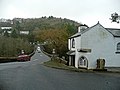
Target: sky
(82, 11)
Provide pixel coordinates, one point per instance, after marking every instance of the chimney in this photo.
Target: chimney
(82, 27)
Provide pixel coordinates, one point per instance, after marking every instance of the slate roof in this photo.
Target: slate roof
(115, 32)
(79, 33)
(76, 35)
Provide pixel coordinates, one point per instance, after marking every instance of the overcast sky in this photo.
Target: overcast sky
(86, 11)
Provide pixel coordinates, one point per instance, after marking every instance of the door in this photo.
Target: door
(73, 60)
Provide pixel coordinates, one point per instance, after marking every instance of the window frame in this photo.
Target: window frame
(73, 43)
(118, 48)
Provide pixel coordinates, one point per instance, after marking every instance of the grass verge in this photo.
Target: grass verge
(56, 64)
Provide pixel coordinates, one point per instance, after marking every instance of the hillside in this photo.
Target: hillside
(43, 23)
(52, 31)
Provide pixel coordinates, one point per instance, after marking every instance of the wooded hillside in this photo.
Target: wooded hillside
(52, 31)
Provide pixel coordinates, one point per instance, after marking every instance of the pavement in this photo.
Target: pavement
(113, 69)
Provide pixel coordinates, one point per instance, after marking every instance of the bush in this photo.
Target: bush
(10, 47)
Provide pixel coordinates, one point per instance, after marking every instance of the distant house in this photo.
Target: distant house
(24, 32)
(4, 29)
(93, 43)
(9, 30)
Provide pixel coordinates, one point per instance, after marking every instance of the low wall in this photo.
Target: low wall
(8, 59)
(12, 59)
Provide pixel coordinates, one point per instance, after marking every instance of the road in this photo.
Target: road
(32, 75)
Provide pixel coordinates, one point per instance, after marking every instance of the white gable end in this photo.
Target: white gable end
(96, 43)
(101, 43)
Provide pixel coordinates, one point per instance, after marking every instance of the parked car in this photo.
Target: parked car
(23, 57)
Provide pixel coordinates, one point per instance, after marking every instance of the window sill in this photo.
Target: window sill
(117, 52)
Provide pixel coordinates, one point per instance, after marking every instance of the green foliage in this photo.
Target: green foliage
(12, 47)
(6, 34)
(54, 31)
(55, 39)
(17, 25)
(14, 34)
(44, 23)
(0, 30)
(31, 37)
(70, 28)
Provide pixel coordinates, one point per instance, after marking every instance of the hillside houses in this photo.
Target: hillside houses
(6, 25)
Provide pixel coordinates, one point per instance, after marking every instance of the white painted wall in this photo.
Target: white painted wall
(69, 44)
(77, 46)
(24, 32)
(6, 28)
(103, 45)
(77, 42)
(117, 56)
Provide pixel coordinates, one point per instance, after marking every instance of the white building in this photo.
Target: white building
(93, 43)
(24, 32)
(6, 28)
(9, 30)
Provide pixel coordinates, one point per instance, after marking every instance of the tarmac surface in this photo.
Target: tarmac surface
(32, 75)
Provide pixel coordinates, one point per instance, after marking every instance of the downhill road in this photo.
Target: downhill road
(32, 75)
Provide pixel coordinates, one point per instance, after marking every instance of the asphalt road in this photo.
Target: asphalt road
(32, 75)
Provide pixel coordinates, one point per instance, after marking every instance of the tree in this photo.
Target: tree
(70, 28)
(17, 26)
(31, 37)
(10, 47)
(14, 34)
(6, 34)
(55, 39)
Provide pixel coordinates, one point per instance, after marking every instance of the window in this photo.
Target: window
(118, 47)
(73, 43)
(83, 62)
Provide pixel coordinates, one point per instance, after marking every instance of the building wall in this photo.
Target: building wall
(6, 28)
(69, 44)
(117, 55)
(24, 32)
(102, 45)
(77, 43)
(77, 46)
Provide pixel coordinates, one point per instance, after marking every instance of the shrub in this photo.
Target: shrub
(13, 46)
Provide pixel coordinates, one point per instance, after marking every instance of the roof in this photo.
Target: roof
(71, 53)
(79, 33)
(76, 35)
(115, 32)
